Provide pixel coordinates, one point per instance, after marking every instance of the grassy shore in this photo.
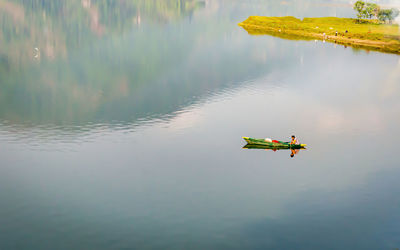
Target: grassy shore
(367, 34)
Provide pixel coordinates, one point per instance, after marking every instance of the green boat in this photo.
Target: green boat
(262, 143)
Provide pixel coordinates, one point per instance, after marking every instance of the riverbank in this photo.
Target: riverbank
(369, 34)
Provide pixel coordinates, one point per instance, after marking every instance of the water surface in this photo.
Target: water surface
(121, 126)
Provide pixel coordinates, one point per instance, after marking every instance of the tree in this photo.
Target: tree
(359, 6)
(371, 10)
(388, 14)
(384, 15)
(366, 10)
(395, 13)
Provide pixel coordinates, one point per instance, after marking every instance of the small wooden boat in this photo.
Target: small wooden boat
(274, 144)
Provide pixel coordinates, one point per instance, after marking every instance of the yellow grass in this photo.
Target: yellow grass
(368, 34)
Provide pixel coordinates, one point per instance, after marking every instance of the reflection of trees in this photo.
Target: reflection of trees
(113, 80)
(55, 26)
(123, 77)
(71, 88)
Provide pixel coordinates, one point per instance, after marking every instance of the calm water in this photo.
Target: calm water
(121, 126)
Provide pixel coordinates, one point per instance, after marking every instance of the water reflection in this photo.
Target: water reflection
(293, 152)
(58, 27)
(121, 78)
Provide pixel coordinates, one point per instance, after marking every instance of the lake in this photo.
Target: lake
(121, 127)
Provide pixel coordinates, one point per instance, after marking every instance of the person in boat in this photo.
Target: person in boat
(294, 141)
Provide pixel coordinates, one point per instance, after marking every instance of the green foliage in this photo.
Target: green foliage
(359, 6)
(366, 10)
(370, 10)
(388, 14)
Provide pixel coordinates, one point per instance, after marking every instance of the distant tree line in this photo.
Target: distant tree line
(372, 10)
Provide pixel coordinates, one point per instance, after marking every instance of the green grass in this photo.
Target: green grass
(368, 34)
